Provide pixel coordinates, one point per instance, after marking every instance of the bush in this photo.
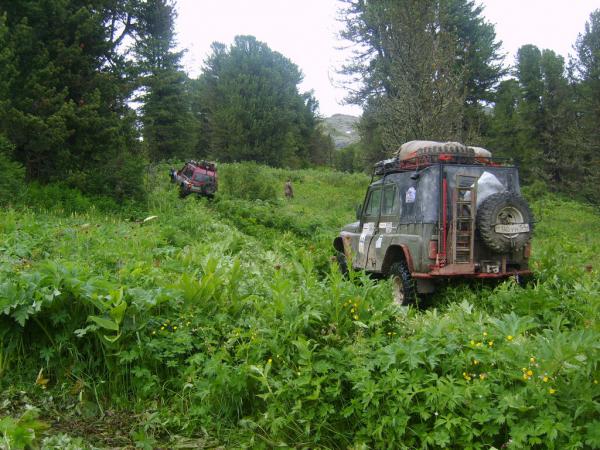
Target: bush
(226, 319)
(247, 181)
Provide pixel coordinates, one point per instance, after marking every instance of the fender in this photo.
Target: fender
(338, 244)
(393, 253)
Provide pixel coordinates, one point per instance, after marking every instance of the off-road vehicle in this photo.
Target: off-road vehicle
(196, 177)
(439, 211)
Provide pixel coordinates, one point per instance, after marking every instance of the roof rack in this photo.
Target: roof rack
(207, 165)
(394, 165)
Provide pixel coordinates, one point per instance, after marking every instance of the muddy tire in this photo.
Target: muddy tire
(342, 263)
(183, 192)
(504, 208)
(403, 285)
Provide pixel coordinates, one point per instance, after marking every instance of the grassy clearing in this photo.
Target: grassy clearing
(226, 323)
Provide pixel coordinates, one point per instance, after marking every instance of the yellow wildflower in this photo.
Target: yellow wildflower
(545, 379)
(532, 360)
(491, 343)
(162, 328)
(472, 342)
(175, 327)
(509, 338)
(551, 391)
(485, 333)
(269, 361)
(475, 362)
(529, 373)
(355, 317)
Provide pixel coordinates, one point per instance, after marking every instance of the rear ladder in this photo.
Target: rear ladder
(463, 224)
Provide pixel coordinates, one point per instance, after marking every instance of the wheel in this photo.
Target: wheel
(183, 192)
(403, 286)
(342, 263)
(505, 222)
(525, 280)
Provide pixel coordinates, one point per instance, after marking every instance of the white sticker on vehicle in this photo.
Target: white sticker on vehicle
(367, 230)
(513, 228)
(378, 242)
(411, 195)
(387, 226)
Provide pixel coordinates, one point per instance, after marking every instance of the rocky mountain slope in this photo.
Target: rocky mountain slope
(342, 128)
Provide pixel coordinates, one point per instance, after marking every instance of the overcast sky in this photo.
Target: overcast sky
(305, 31)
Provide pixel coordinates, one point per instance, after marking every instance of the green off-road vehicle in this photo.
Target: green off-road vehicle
(439, 211)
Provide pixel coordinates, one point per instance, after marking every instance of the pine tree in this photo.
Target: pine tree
(587, 79)
(66, 111)
(168, 122)
(250, 109)
(425, 66)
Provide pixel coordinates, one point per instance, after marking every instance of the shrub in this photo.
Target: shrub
(247, 181)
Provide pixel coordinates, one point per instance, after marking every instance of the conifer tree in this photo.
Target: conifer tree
(425, 67)
(65, 110)
(168, 123)
(586, 74)
(248, 101)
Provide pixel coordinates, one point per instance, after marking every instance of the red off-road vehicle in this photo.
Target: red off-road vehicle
(196, 177)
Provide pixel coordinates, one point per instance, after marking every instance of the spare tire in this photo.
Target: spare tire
(505, 222)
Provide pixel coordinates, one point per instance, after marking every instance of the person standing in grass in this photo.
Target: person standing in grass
(288, 190)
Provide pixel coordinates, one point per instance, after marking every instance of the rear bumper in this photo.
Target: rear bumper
(507, 274)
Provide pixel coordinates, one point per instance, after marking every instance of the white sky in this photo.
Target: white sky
(305, 31)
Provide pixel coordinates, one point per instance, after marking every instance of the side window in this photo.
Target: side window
(390, 204)
(372, 209)
(410, 199)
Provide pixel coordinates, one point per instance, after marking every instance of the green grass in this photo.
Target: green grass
(226, 322)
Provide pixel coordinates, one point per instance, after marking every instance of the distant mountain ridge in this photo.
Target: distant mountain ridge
(342, 129)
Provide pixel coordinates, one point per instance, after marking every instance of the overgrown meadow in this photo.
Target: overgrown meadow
(226, 323)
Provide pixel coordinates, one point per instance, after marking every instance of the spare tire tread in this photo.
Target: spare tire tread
(487, 214)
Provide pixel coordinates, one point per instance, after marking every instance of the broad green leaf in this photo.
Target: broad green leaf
(118, 312)
(105, 323)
